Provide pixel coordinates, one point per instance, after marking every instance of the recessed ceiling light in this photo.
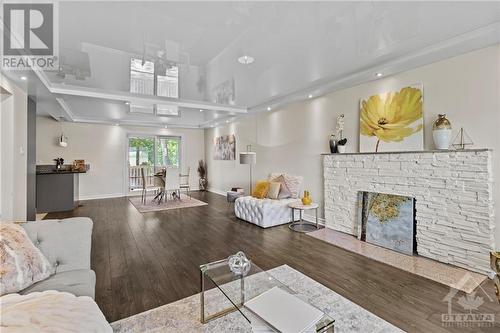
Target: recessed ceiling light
(378, 74)
(201, 110)
(227, 121)
(246, 59)
(309, 96)
(268, 108)
(24, 78)
(127, 103)
(166, 126)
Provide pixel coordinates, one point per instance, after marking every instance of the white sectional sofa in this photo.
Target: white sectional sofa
(264, 212)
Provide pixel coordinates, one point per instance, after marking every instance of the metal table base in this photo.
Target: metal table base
(301, 225)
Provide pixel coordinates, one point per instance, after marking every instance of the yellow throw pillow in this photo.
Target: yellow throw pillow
(261, 189)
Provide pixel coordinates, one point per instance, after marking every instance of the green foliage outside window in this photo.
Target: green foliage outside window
(144, 145)
(167, 152)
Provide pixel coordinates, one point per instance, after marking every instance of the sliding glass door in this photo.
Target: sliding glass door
(148, 154)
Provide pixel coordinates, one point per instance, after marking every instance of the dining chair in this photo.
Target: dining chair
(160, 182)
(184, 182)
(172, 186)
(146, 186)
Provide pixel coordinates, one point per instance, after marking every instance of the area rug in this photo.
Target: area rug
(184, 202)
(184, 315)
(448, 275)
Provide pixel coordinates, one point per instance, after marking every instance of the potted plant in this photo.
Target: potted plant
(202, 173)
(341, 143)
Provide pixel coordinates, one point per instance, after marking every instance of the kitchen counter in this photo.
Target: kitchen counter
(57, 190)
(55, 172)
(51, 169)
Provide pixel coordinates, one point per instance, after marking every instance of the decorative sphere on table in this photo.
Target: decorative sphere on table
(239, 264)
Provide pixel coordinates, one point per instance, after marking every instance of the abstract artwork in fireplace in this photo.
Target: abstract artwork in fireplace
(387, 220)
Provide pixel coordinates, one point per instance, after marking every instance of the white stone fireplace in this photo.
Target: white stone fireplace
(453, 192)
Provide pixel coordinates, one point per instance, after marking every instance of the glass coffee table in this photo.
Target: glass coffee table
(238, 289)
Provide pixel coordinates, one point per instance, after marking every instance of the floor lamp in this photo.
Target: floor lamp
(249, 157)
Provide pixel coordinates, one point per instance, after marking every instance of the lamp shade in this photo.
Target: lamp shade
(248, 157)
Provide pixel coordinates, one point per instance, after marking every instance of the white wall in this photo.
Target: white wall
(291, 139)
(13, 133)
(105, 148)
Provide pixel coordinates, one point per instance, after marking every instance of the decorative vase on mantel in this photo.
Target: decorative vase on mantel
(333, 144)
(441, 132)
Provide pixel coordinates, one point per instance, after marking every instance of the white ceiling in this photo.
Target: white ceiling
(299, 48)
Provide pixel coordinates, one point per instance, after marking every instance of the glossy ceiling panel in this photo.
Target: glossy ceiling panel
(298, 47)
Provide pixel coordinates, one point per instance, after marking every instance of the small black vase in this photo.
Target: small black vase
(333, 145)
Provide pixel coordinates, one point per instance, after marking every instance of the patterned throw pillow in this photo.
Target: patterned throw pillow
(21, 263)
(284, 191)
(274, 190)
(293, 183)
(261, 189)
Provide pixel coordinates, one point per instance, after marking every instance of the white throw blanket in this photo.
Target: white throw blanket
(50, 311)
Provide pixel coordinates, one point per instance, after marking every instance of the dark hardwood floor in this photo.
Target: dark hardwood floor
(146, 260)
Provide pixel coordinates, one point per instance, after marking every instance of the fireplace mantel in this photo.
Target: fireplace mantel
(414, 152)
(453, 191)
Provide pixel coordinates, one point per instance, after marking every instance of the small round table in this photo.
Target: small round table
(303, 226)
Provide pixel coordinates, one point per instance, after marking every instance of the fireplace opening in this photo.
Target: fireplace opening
(387, 220)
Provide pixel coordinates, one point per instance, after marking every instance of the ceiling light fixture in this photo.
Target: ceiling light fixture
(24, 78)
(201, 110)
(166, 126)
(246, 59)
(309, 96)
(227, 121)
(127, 103)
(378, 74)
(268, 108)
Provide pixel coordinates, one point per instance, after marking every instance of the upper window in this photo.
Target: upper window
(168, 82)
(142, 77)
(160, 80)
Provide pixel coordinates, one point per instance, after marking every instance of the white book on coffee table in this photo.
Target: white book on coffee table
(284, 311)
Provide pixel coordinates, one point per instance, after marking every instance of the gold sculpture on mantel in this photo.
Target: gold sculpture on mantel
(461, 140)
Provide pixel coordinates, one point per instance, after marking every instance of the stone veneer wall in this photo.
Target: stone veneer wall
(453, 191)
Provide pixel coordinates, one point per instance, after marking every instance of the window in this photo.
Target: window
(141, 151)
(150, 153)
(168, 151)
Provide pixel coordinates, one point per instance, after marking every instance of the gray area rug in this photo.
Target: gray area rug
(184, 315)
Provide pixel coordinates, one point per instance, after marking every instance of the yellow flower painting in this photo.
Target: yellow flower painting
(392, 121)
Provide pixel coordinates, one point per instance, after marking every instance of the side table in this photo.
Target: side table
(231, 196)
(303, 226)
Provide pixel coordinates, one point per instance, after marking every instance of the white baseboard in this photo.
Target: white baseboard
(101, 196)
(216, 191)
(312, 218)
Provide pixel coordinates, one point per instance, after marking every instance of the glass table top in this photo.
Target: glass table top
(239, 289)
